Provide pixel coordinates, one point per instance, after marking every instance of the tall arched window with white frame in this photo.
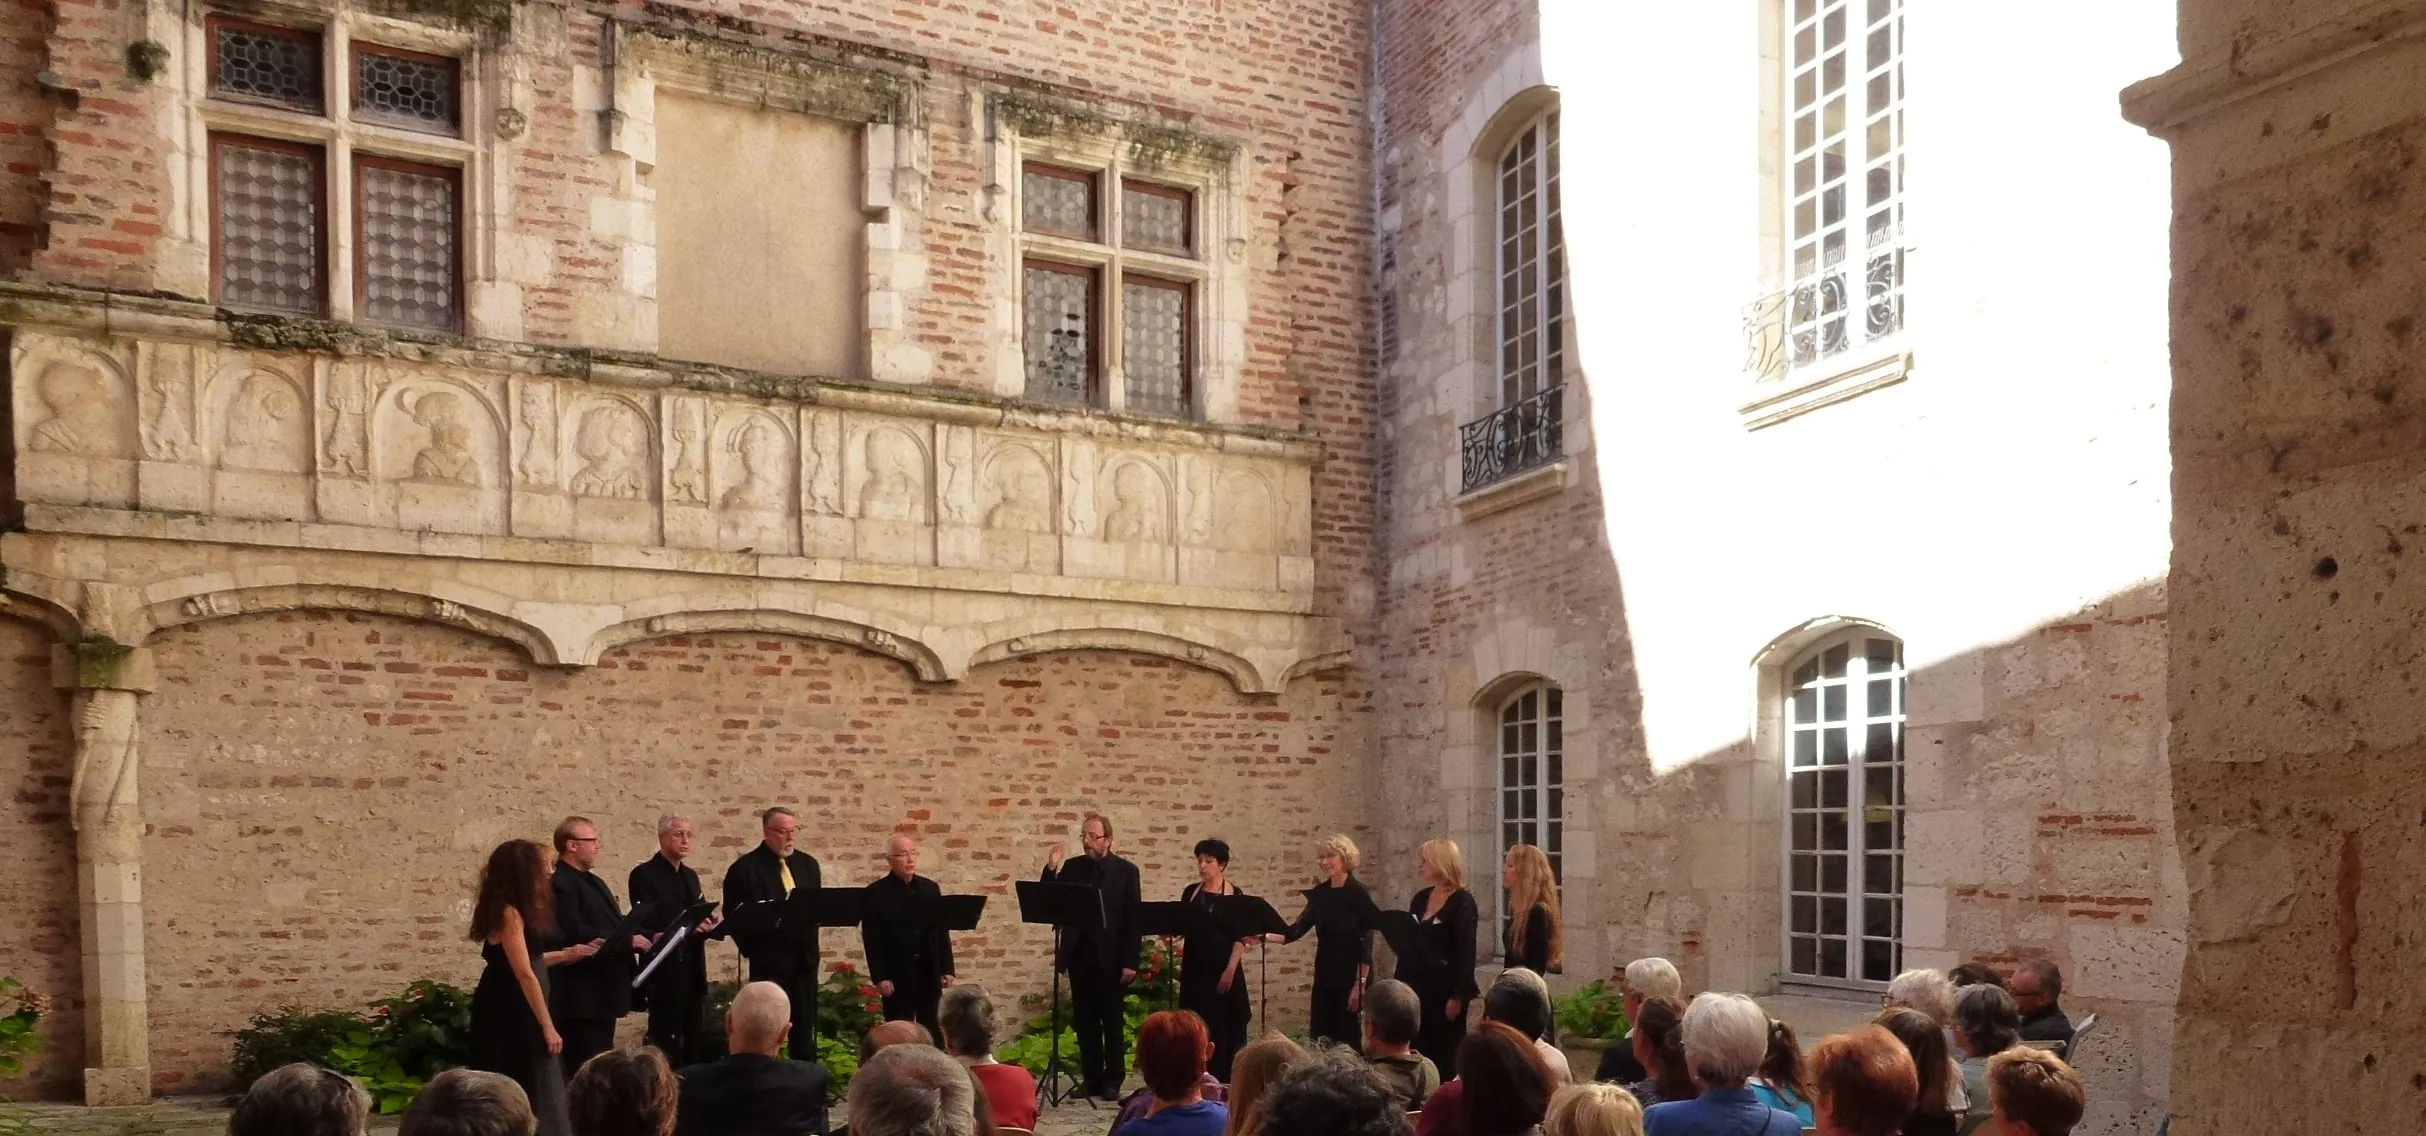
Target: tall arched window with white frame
(1529, 325)
(1533, 773)
(1844, 846)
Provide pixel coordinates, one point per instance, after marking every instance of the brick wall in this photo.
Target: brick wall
(323, 788)
(39, 875)
(23, 119)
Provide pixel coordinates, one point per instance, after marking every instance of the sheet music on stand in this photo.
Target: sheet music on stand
(673, 939)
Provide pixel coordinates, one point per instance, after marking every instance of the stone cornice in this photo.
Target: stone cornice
(2199, 87)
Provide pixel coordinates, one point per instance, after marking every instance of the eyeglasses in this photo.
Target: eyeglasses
(581, 840)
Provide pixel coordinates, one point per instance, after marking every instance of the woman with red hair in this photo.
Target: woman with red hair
(1172, 1049)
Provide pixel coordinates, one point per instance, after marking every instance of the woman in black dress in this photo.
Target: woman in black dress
(1537, 943)
(1343, 949)
(1446, 914)
(511, 1031)
(1210, 985)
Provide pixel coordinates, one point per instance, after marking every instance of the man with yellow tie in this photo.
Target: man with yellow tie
(786, 956)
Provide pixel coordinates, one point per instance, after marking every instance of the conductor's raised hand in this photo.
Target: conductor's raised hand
(1054, 854)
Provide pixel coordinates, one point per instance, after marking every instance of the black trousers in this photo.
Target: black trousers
(677, 1023)
(584, 1038)
(800, 985)
(1439, 1035)
(916, 1000)
(1331, 1019)
(1096, 998)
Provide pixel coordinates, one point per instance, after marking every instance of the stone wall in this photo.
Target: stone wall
(323, 787)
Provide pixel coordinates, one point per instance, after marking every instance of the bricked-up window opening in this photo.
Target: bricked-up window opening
(407, 250)
(1844, 714)
(407, 89)
(1109, 290)
(1532, 266)
(259, 63)
(1059, 331)
(1533, 775)
(267, 206)
(1844, 176)
(1155, 345)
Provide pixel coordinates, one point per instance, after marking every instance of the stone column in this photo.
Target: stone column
(104, 679)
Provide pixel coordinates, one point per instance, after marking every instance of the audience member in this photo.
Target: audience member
(301, 1100)
(1726, 1036)
(912, 1090)
(749, 1092)
(1140, 1100)
(622, 1093)
(1780, 1083)
(1985, 1024)
(1659, 1047)
(1392, 1013)
(1938, 1109)
(966, 1017)
(1506, 1086)
(2036, 985)
(1330, 1092)
(1593, 1110)
(1928, 991)
(463, 1102)
(1975, 974)
(1519, 998)
(1172, 1051)
(894, 1032)
(2033, 1093)
(1251, 1076)
(1862, 1084)
(1644, 978)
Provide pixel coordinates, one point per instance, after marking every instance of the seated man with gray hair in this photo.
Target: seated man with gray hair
(1644, 979)
(463, 1102)
(1726, 1036)
(301, 1100)
(750, 1092)
(912, 1090)
(1392, 1015)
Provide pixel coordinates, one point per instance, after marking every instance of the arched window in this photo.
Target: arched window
(1844, 871)
(1532, 773)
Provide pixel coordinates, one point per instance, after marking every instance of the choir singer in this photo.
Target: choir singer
(910, 964)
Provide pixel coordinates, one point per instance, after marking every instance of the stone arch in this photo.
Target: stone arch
(1243, 674)
(895, 643)
(200, 599)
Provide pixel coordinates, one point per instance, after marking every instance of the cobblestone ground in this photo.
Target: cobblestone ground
(207, 1116)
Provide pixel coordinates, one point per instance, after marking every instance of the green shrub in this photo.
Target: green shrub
(1156, 986)
(1592, 1011)
(19, 1037)
(392, 1050)
(847, 1006)
(286, 1036)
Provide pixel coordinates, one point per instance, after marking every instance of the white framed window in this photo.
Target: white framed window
(1110, 273)
(1844, 840)
(1532, 772)
(1532, 266)
(1844, 171)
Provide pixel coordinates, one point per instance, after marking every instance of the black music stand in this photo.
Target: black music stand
(799, 913)
(1063, 907)
(840, 907)
(1175, 919)
(1251, 916)
(944, 912)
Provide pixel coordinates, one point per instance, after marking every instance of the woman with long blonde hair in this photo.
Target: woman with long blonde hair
(1533, 936)
(1592, 1109)
(1259, 1065)
(1444, 984)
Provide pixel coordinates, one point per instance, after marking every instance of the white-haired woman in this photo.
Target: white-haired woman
(1336, 911)
(1726, 1036)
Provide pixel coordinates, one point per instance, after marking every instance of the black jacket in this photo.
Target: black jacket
(599, 986)
(668, 890)
(750, 1094)
(896, 954)
(1116, 947)
(2049, 1024)
(756, 876)
(1537, 942)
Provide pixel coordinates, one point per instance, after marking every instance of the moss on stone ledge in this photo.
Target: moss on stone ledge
(470, 15)
(291, 333)
(1148, 145)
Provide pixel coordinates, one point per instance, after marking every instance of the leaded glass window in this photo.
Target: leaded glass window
(259, 63)
(406, 89)
(1154, 345)
(1532, 772)
(1060, 336)
(406, 255)
(1155, 217)
(1056, 200)
(1845, 175)
(1108, 292)
(267, 203)
(1844, 716)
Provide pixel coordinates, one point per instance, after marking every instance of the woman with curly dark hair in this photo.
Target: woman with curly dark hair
(511, 1032)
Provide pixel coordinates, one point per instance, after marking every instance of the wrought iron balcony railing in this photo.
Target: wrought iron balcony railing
(1511, 440)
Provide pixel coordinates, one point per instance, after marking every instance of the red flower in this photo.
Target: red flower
(842, 968)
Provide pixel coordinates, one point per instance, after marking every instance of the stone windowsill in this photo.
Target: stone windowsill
(1796, 395)
(1500, 496)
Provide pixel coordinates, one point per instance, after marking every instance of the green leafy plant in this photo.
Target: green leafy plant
(20, 1037)
(1592, 1011)
(841, 1060)
(370, 1063)
(392, 1050)
(847, 1004)
(283, 1037)
(428, 1029)
(1156, 985)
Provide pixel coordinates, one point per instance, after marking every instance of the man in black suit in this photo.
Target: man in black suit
(1101, 964)
(586, 996)
(910, 967)
(677, 991)
(749, 1092)
(785, 956)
